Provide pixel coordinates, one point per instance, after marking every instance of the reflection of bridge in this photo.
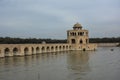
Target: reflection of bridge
(29, 49)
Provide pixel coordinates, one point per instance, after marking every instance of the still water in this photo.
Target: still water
(102, 64)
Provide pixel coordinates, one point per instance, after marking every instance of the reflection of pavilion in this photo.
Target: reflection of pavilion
(78, 61)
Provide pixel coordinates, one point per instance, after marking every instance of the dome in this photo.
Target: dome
(77, 25)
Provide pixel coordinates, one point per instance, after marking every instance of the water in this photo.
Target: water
(102, 64)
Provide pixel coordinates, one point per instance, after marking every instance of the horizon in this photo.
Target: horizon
(51, 18)
(52, 38)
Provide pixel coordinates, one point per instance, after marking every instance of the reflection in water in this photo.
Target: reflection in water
(78, 60)
(78, 63)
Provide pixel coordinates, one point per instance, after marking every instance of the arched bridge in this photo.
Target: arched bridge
(29, 49)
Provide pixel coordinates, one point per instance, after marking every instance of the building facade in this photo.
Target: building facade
(77, 39)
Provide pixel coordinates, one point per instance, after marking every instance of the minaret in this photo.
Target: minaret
(77, 37)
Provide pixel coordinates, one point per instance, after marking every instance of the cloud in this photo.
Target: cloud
(55, 17)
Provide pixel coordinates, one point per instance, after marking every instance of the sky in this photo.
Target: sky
(52, 18)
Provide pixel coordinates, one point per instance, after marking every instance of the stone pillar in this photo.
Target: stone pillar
(2, 53)
(40, 49)
(34, 51)
(29, 51)
(22, 51)
(11, 52)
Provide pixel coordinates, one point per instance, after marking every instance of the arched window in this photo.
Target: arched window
(75, 34)
(73, 41)
(86, 40)
(81, 33)
(81, 41)
(86, 33)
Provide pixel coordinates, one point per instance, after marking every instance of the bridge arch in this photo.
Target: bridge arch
(67, 47)
(56, 48)
(37, 50)
(60, 47)
(52, 48)
(43, 49)
(15, 51)
(32, 50)
(63, 47)
(7, 51)
(26, 50)
(48, 48)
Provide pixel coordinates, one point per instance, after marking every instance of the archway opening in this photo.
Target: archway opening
(63, 47)
(73, 41)
(81, 41)
(48, 48)
(37, 50)
(59, 47)
(43, 49)
(6, 51)
(69, 47)
(86, 40)
(15, 51)
(66, 47)
(81, 33)
(26, 50)
(84, 49)
(52, 48)
(32, 50)
(56, 48)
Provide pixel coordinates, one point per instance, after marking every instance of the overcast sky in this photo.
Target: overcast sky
(51, 18)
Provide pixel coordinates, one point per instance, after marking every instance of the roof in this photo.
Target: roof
(77, 25)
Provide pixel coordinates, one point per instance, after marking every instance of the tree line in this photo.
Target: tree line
(105, 40)
(10, 40)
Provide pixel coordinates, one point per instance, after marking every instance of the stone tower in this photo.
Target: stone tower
(78, 37)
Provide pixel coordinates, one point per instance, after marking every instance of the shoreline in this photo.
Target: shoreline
(107, 44)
